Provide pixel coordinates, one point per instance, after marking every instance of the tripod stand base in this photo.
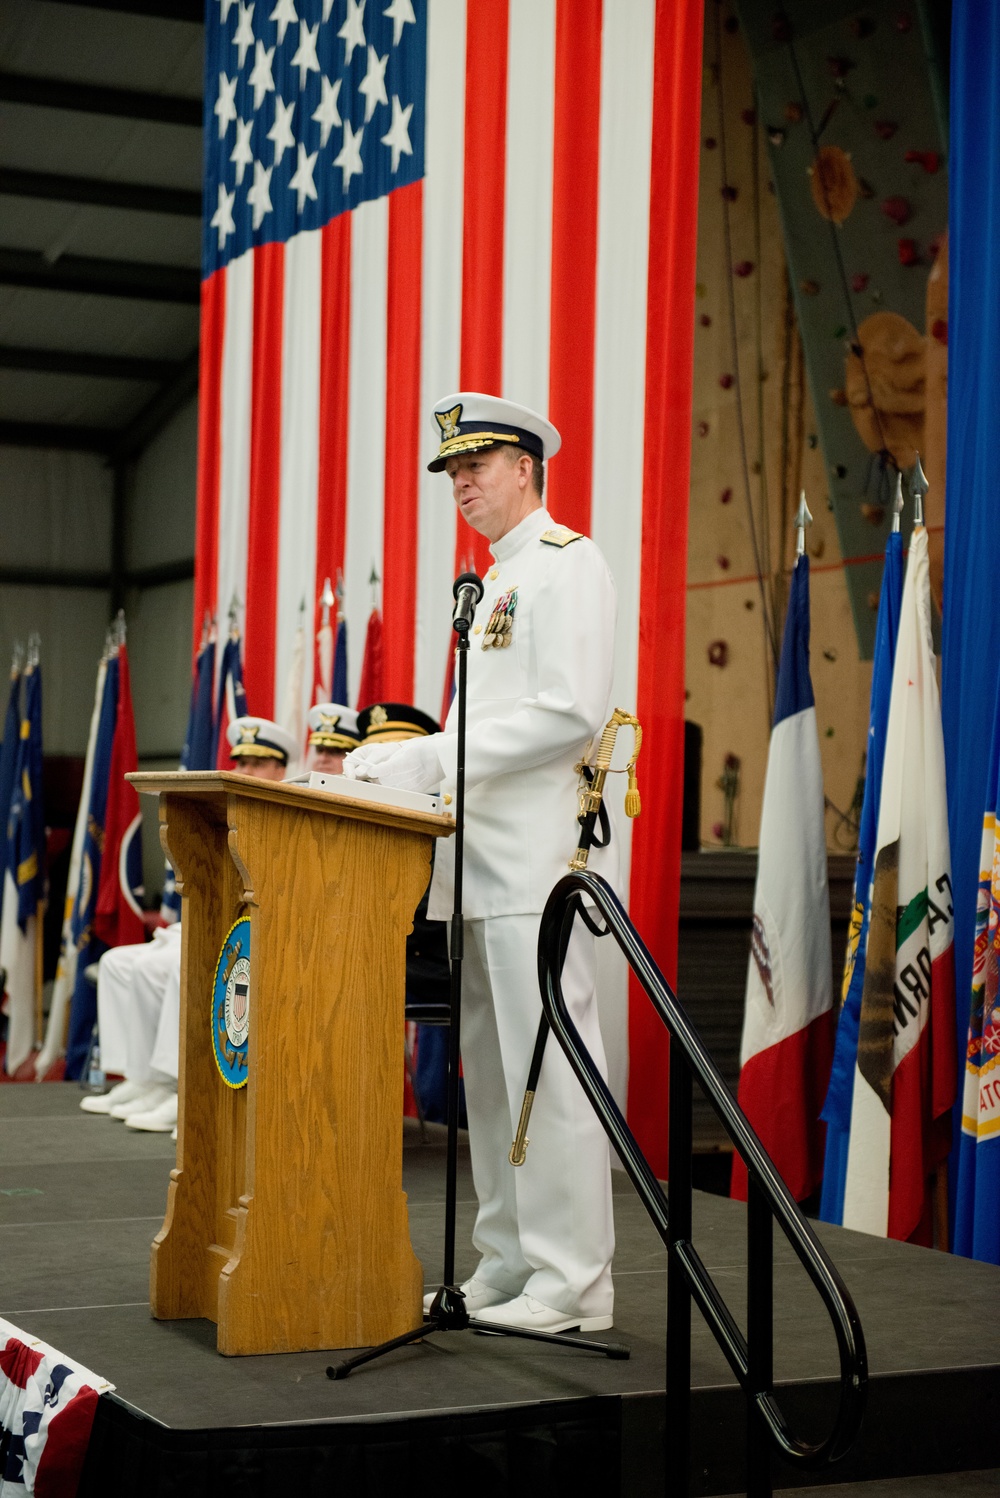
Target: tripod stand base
(448, 1314)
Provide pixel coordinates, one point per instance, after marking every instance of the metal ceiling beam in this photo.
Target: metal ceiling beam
(87, 98)
(168, 10)
(157, 283)
(55, 187)
(140, 432)
(98, 366)
(69, 438)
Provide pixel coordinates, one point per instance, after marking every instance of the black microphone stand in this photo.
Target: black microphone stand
(448, 1312)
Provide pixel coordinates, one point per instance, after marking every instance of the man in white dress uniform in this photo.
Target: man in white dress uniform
(540, 668)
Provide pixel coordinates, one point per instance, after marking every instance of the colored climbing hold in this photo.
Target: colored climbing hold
(908, 251)
(726, 381)
(897, 209)
(812, 441)
(839, 398)
(794, 113)
(939, 330)
(776, 135)
(705, 320)
(838, 470)
(702, 429)
(885, 129)
(718, 653)
(748, 116)
(722, 562)
(726, 496)
(840, 332)
(859, 281)
(710, 142)
(729, 193)
(809, 288)
(874, 514)
(833, 183)
(929, 160)
(743, 268)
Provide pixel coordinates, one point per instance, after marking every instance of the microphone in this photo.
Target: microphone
(468, 590)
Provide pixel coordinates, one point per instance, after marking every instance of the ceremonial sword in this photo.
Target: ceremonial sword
(591, 809)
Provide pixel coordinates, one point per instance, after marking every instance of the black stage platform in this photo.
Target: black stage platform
(81, 1198)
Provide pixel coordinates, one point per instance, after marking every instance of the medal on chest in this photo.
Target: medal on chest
(499, 631)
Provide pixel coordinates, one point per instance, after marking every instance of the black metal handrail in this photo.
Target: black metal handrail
(750, 1357)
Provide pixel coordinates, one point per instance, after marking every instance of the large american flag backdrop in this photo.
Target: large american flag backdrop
(408, 198)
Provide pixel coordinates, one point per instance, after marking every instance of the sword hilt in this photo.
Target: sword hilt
(519, 1149)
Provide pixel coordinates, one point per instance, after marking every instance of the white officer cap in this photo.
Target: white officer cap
(468, 421)
(259, 738)
(333, 726)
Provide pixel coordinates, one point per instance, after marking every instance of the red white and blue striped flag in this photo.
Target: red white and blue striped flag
(409, 197)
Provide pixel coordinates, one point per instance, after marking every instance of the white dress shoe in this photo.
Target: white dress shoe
(125, 1092)
(529, 1313)
(158, 1120)
(477, 1296)
(149, 1096)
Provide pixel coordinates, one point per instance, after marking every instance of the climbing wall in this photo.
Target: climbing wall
(851, 117)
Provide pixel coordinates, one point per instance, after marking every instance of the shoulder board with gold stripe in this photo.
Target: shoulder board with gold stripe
(560, 535)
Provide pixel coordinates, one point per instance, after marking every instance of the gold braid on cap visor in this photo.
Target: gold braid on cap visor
(333, 741)
(473, 440)
(391, 730)
(257, 751)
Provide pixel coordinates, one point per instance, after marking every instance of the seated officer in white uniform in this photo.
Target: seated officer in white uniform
(138, 1031)
(333, 732)
(540, 667)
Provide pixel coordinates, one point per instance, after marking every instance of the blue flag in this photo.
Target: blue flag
(26, 823)
(8, 762)
(338, 691)
(231, 702)
(196, 753)
(839, 1098)
(977, 1204)
(83, 1005)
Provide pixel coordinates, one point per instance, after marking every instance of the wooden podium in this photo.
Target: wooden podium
(286, 1220)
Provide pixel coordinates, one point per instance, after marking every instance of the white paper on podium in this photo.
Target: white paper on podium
(385, 795)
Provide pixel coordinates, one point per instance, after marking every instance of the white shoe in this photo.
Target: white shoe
(477, 1296)
(529, 1313)
(125, 1092)
(158, 1120)
(149, 1096)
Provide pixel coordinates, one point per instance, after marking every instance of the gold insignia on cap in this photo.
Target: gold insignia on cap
(448, 422)
(248, 734)
(329, 720)
(378, 715)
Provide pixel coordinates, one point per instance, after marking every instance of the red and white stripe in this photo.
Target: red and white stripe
(548, 256)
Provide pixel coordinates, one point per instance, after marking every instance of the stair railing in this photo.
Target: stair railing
(768, 1200)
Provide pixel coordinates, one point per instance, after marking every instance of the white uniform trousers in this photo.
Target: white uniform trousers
(131, 983)
(545, 1227)
(164, 1060)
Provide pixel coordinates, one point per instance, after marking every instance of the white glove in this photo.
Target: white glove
(414, 766)
(360, 764)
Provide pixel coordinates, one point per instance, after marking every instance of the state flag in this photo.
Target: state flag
(905, 1078)
(837, 1108)
(788, 1021)
(24, 879)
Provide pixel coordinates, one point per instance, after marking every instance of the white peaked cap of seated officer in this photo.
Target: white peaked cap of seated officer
(259, 738)
(333, 726)
(469, 421)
